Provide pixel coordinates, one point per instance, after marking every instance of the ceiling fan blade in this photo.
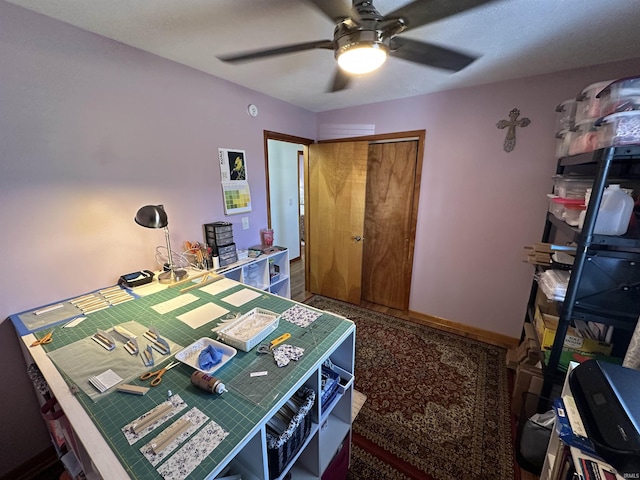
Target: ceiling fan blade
(421, 12)
(336, 10)
(340, 81)
(296, 47)
(429, 54)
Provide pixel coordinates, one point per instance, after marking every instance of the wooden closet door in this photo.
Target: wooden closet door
(335, 212)
(388, 244)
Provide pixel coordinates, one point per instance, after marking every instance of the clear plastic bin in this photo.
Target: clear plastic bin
(562, 146)
(566, 117)
(618, 129)
(621, 96)
(585, 138)
(572, 214)
(558, 206)
(589, 106)
(571, 187)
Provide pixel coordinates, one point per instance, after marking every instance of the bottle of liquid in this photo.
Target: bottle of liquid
(615, 211)
(208, 383)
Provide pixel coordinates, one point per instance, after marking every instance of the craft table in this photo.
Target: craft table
(242, 411)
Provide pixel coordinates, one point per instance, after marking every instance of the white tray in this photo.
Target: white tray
(190, 354)
(260, 319)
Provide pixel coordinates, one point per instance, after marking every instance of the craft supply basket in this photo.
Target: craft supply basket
(330, 381)
(250, 329)
(282, 448)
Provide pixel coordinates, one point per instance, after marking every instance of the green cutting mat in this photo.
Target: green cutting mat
(237, 411)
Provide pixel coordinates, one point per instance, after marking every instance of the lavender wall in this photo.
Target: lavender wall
(479, 206)
(90, 131)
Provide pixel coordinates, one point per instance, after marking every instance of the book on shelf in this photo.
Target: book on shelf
(592, 468)
(569, 425)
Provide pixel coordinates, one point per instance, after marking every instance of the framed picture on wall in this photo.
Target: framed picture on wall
(233, 166)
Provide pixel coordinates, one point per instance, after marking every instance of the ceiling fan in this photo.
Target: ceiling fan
(363, 38)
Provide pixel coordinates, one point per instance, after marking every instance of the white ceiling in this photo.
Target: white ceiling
(515, 38)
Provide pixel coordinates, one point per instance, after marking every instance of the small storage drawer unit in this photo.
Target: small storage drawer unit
(228, 258)
(225, 249)
(218, 234)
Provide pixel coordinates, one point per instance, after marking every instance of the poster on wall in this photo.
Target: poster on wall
(232, 165)
(235, 187)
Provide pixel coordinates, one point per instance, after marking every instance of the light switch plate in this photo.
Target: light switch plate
(245, 223)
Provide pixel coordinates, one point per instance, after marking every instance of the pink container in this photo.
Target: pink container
(267, 236)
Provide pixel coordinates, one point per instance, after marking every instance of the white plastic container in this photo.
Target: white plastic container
(615, 211)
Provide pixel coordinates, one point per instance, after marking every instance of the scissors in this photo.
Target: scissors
(264, 349)
(48, 338)
(158, 374)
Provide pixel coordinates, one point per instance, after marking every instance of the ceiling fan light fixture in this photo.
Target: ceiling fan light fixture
(360, 58)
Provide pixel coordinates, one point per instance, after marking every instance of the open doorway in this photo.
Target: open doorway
(285, 178)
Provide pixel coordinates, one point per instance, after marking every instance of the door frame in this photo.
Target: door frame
(283, 137)
(420, 136)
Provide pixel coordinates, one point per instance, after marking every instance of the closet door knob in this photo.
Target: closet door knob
(357, 238)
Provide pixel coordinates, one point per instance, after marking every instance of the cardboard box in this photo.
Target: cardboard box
(545, 320)
(529, 379)
(528, 352)
(546, 327)
(512, 361)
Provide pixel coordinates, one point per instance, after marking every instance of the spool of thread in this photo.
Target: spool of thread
(208, 383)
(216, 262)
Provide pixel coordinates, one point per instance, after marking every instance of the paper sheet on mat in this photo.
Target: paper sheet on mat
(241, 297)
(218, 287)
(202, 315)
(175, 303)
(191, 454)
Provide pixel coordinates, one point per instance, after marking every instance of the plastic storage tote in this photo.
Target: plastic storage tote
(622, 95)
(566, 115)
(571, 187)
(619, 129)
(584, 139)
(589, 106)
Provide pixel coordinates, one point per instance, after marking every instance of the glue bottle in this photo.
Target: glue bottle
(208, 383)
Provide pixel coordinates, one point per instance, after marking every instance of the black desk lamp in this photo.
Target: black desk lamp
(154, 216)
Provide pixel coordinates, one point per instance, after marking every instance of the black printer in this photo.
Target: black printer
(608, 399)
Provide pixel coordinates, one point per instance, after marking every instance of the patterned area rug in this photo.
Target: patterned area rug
(437, 403)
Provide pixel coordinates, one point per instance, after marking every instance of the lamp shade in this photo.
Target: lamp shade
(152, 216)
(362, 58)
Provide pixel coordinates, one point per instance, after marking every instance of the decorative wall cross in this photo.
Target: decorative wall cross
(511, 124)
